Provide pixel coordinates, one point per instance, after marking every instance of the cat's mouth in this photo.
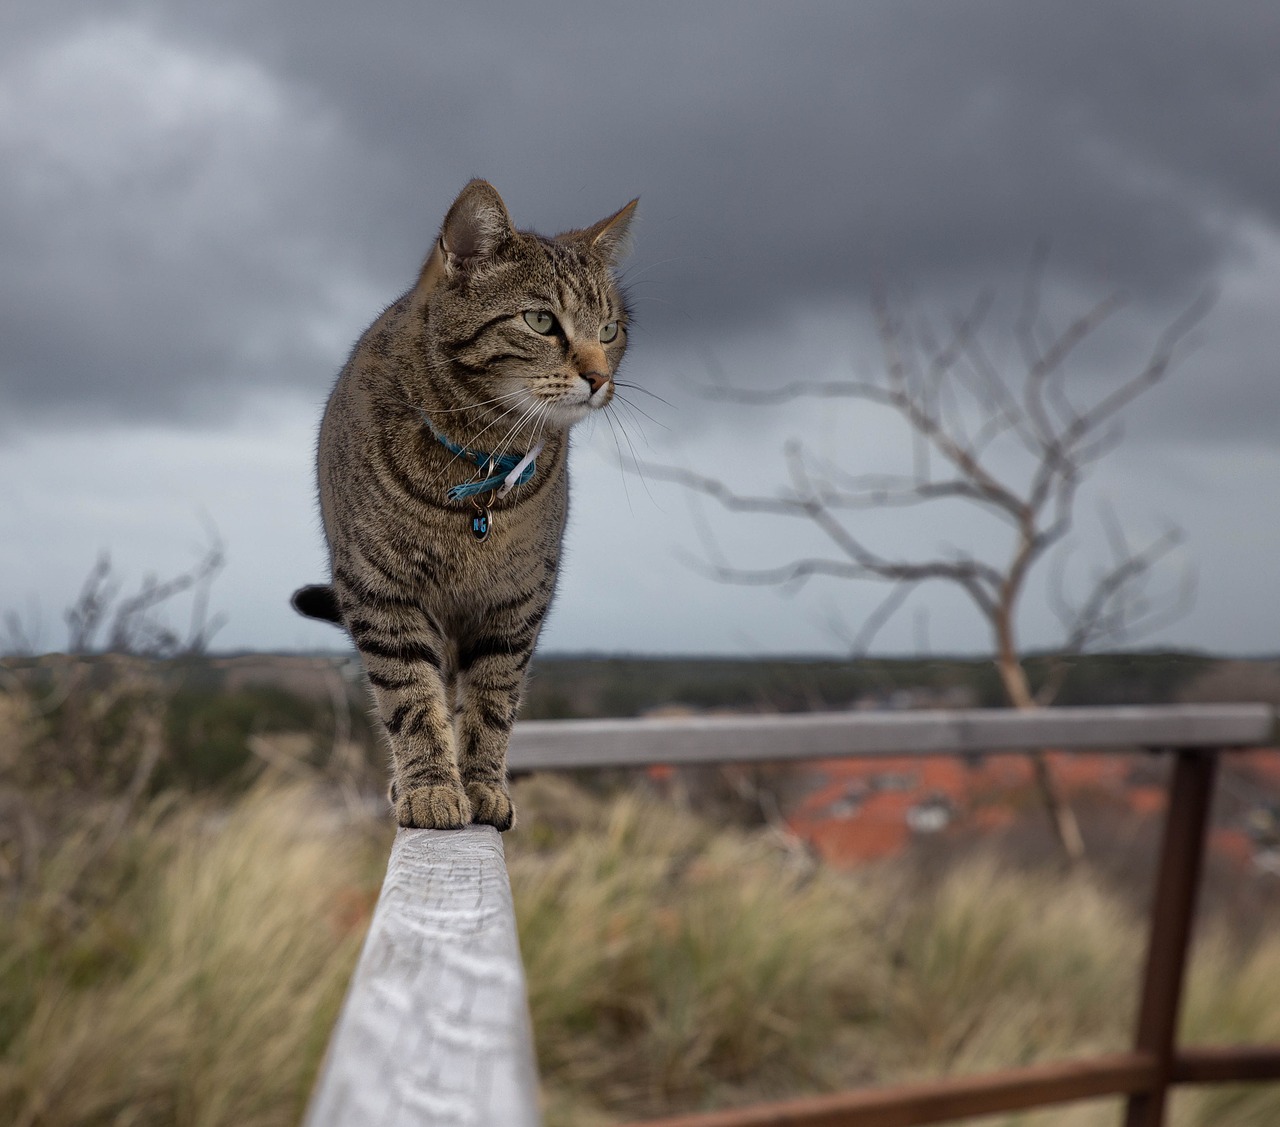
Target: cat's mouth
(597, 400)
(567, 406)
(601, 396)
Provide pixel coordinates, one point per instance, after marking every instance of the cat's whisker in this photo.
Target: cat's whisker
(635, 459)
(541, 417)
(538, 439)
(466, 407)
(456, 458)
(542, 426)
(626, 432)
(482, 403)
(627, 385)
(639, 411)
(626, 492)
(530, 411)
(518, 394)
(642, 299)
(630, 277)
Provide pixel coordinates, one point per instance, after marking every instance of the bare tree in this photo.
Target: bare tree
(133, 625)
(95, 715)
(86, 728)
(963, 415)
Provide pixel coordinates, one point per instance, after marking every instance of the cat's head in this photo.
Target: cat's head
(530, 328)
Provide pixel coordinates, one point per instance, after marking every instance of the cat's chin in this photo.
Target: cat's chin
(566, 414)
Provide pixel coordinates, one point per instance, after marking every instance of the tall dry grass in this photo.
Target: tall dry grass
(190, 974)
(673, 965)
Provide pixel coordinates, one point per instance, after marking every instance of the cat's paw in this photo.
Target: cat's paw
(491, 805)
(442, 806)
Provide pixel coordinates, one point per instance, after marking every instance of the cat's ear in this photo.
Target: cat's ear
(610, 237)
(476, 226)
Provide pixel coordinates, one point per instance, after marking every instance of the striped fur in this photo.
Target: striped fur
(446, 625)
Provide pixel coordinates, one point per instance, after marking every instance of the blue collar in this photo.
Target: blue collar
(502, 467)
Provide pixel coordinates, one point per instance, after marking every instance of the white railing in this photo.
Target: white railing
(435, 1028)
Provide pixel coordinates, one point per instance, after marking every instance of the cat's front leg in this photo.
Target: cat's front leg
(415, 705)
(491, 683)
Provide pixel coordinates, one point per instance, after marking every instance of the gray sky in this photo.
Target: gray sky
(202, 206)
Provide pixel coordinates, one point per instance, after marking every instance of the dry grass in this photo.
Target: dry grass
(667, 961)
(1234, 998)
(189, 973)
(672, 966)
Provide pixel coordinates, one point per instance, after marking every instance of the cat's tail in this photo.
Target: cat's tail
(317, 601)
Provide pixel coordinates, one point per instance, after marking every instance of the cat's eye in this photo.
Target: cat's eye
(540, 321)
(609, 333)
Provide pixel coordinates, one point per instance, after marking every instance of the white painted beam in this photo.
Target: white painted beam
(435, 1028)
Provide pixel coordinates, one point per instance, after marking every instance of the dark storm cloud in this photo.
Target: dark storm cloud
(782, 153)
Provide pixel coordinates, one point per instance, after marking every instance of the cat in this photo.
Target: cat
(444, 488)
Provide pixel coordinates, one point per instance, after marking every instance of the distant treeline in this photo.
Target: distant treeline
(565, 687)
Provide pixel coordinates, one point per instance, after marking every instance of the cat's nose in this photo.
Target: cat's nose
(597, 380)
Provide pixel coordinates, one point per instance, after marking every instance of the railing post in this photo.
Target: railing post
(1172, 914)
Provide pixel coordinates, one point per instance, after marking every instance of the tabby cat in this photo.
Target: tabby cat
(444, 488)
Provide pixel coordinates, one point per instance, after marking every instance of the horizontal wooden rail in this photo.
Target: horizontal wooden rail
(943, 1101)
(557, 744)
(435, 1028)
(1226, 1064)
(958, 1097)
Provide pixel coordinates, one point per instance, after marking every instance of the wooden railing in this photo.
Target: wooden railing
(435, 1027)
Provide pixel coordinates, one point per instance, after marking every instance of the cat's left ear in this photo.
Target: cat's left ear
(476, 226)
(610, 238)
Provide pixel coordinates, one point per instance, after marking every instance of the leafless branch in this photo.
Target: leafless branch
(1112, 612)
(978, 579)
(19, 638)
(1156, 368)
(873, 623)
(801, 389)
(86, 615)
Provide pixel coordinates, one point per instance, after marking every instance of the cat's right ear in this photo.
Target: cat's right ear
(610, 237)
(474, 229)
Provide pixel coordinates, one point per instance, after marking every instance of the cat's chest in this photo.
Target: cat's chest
(486, 549)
